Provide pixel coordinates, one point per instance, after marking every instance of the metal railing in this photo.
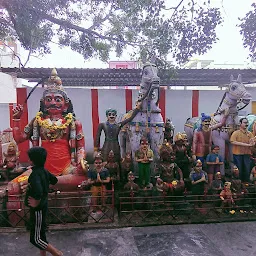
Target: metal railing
(63, 208)
(145, 208)
(134, 208)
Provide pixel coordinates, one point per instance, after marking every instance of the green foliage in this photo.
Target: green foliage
(95, 27)
(248, 30)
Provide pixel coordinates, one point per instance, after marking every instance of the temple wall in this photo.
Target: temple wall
(209, 101)
(178, 107)
(4, 116)
(7, 88)
(90, 106)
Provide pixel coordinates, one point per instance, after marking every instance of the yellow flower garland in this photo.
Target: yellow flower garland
(45, 124)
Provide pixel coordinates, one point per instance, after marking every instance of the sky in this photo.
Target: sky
(228, 49)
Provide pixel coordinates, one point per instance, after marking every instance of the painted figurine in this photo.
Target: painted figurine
(168, 131)
(253, 155)
(10, 165)
(202, 139)
(126, 166)
(181, 157)
(242, 141)
(112, 166)
(237, 186)
(213, 161)
(198, 179)
(253, 175)
(144, 157)
(131, 185)
(169, 171)
(217, 185)
(55, 124)
(125, 144)
(111, 130)
(226, 196)
(187, 144)
(98, 178)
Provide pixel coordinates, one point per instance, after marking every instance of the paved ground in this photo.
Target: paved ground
(224, 239)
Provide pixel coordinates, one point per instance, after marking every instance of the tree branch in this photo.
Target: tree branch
(175, 8)
(28, 57)
(15, 54)
(96, 24)
(21, 65)
(67, 24)
(192, 10)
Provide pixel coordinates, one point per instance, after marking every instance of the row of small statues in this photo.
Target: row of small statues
(178, 153)
(228, 192)
(176, 162)
(168, 176)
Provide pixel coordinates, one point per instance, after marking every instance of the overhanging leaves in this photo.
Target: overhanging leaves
(95, 27)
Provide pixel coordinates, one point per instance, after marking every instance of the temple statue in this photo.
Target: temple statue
(181, 154)
(144, 156)
(202, 139)
(148, 121)
(112, 166)
(126, 167)
(253, 175)
(169, 130)
(111, 130)
(224, 121)
(10, 166)
(227, 197)
(131, 185)
(238, 188)
(56, 125)
(187, 144)
(169, 171)
(217, 184)
(198, 179)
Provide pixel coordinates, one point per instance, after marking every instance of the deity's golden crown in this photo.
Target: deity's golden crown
(165, 147)
(178, 137)
(54, 81)
(12, 144)
(184, 135)
(54, 84)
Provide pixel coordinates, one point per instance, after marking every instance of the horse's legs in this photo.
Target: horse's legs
(134, 140)
(189, 131)
(122, 139)
(230, 153)
(219, 141)
(128, 144)
(157, 139)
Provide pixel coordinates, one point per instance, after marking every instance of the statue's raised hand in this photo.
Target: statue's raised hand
(17, 112)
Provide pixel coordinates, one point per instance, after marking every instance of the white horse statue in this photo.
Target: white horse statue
(148, 122)
(225, 120)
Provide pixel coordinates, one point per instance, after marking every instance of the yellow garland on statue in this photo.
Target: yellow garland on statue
(45, 123)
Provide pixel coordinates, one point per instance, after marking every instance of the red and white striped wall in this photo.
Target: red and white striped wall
(90, 106)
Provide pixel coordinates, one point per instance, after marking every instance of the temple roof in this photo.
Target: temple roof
(131, 77)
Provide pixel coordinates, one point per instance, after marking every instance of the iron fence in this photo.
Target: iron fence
(146, 208)
(63, 208)
(134, 208)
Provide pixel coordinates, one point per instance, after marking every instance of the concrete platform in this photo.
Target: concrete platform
(223, 239)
